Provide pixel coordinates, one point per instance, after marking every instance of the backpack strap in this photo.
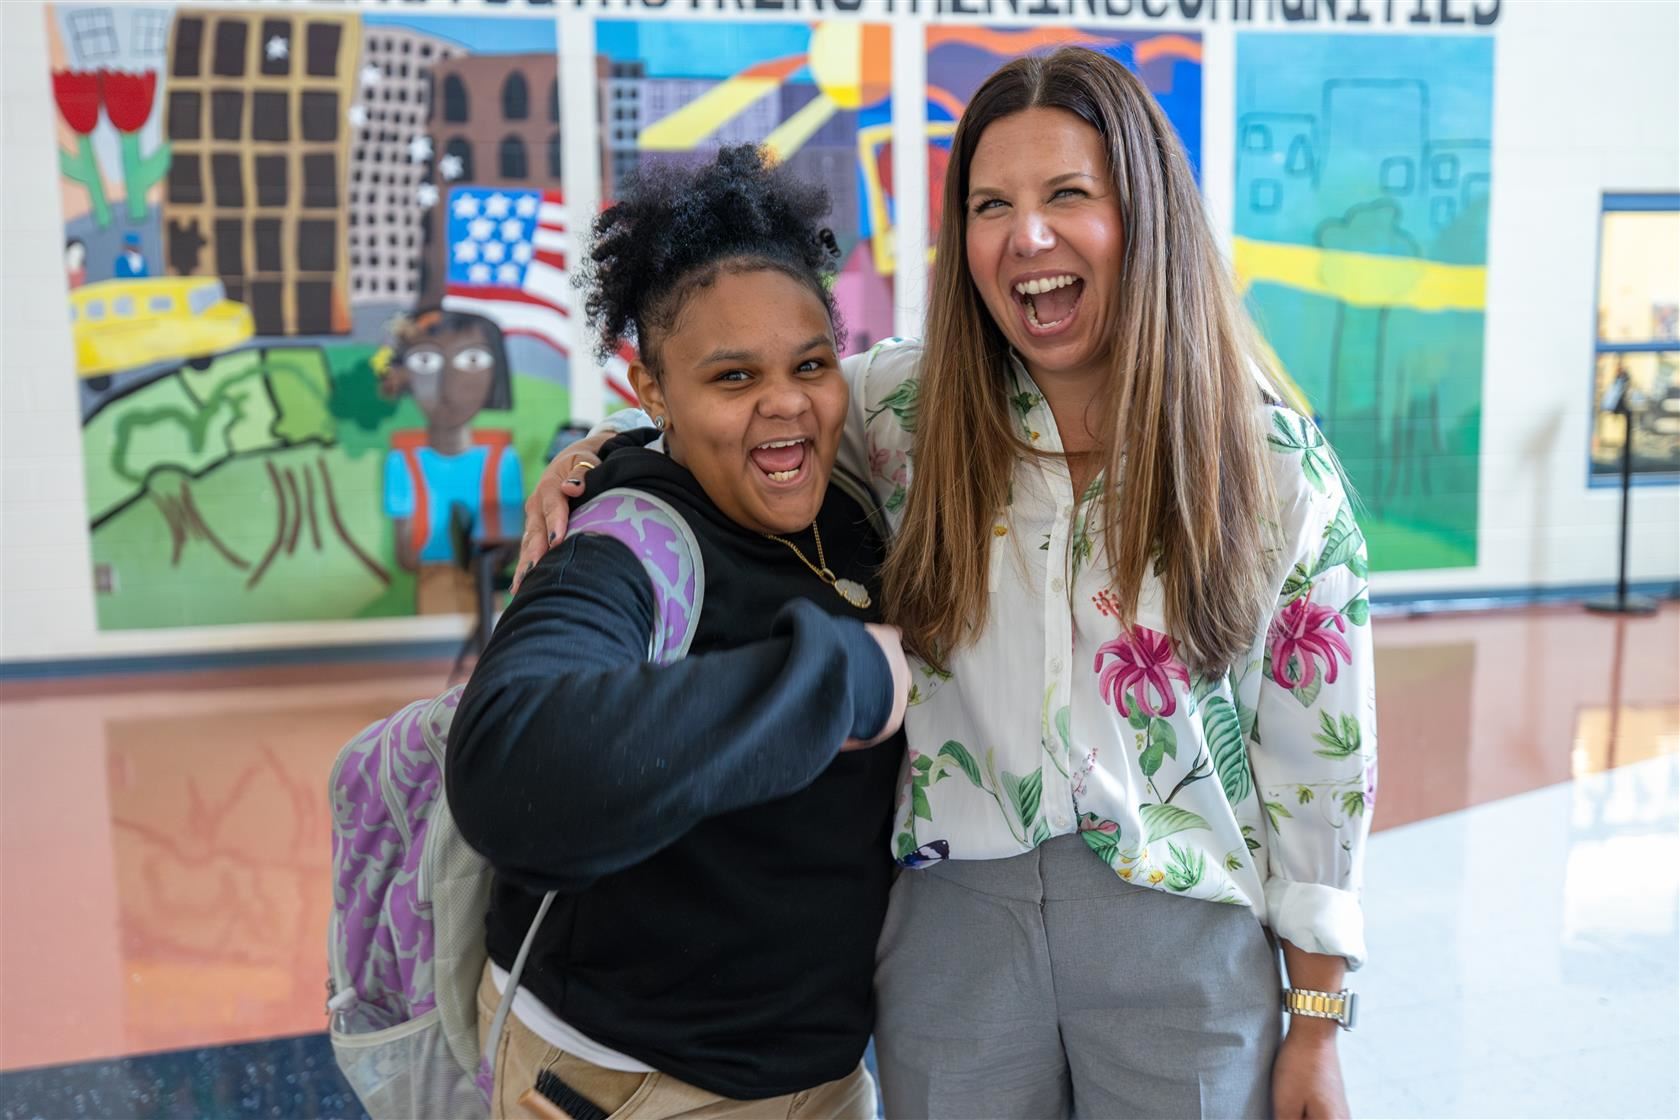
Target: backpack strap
(662, 540)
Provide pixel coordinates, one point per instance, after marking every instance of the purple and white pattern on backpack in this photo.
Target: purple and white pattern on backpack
(657, 536)
(385, 923)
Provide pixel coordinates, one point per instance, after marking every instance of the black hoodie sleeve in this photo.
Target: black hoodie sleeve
(571, 756)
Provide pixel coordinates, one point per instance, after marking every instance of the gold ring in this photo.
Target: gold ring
(584, 465)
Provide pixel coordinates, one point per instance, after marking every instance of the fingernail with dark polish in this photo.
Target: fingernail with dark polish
(552, 537)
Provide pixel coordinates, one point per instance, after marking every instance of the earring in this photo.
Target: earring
(659, 423)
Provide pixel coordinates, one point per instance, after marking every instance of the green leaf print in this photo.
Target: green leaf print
(1306, 439)
(1161, 821)
(1041, 833)
(1340, 739)
(1303, 795)
(1062, 717)
(1024, 403)
(1105, 844)
(1341, 541)
(1186, 868)
(1225, 739)
(1092, 490)
(895, 501)
(1297, 585)
(1024, 794)
(1358, 566)
(1277, 812)
(1306, 694)
(923, 763)
(1081, 549)
(1359, 611)
(1248, 838)
(957, 753)
(994, 786)
(901, 402)
(1353, 803)
(904, 845)
(1247, 715)
(919, 803)
(1137, 717)
(1233, 862)
(1162, 741)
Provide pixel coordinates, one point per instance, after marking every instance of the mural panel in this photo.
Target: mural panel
(314, 258)
(1363, 173)
(818, 96)
(959, 58)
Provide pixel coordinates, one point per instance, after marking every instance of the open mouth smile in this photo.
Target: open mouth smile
(784, 462)
(1049, 302)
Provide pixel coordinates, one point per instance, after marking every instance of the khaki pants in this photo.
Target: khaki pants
(648, 1096)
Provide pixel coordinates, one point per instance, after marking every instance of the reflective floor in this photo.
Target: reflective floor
(163, 879)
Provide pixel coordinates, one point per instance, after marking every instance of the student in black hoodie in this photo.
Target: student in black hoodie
(716, 826)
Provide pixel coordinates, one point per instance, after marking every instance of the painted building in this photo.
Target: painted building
(495, 121)
(257, 116)
(391, 163)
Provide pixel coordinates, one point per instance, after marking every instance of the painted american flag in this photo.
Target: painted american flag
(508, 250)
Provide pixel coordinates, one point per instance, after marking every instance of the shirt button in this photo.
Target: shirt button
(1055, 664)
(1057, 585)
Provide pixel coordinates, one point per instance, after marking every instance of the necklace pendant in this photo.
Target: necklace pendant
(854, 593)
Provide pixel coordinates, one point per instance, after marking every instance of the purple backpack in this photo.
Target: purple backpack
(405, 942)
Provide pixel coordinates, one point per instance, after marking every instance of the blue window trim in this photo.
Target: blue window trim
(1637, 347)
(1657, 202)
(1650, 201)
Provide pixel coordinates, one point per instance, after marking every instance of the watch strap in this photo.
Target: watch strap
(1338, 1006)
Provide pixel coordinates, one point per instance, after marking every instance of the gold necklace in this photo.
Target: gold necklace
(854, 593)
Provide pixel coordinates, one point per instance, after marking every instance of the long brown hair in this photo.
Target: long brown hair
(1178, 419)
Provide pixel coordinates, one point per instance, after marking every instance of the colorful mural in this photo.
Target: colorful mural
(959, 58)
(1362, 179)
(818, 96)
(286, 232)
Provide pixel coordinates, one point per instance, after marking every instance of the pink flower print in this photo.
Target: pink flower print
(1090, 822)
(888, 465)
(1142, 672)
(1307, 631)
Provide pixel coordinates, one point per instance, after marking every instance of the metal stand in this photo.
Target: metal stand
(1623, 603)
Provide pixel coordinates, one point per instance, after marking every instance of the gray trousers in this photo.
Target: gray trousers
(1045, 986)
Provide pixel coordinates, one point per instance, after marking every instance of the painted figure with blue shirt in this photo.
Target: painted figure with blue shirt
(131, 262)
(455, 366)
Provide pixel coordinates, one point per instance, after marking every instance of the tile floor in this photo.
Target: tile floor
(163, 879)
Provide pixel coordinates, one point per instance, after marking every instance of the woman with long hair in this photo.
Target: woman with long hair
(1136, 595)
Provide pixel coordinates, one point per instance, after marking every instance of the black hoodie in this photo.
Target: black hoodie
(722, 868)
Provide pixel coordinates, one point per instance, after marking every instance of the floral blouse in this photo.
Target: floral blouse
(1254, 788)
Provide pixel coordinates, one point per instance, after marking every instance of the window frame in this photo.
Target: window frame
(1612, 202)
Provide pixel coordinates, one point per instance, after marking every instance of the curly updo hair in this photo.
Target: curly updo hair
(677, 228)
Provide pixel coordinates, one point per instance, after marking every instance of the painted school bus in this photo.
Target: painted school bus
(128, 324)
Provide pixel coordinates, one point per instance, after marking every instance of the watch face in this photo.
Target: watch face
(1350, 1009)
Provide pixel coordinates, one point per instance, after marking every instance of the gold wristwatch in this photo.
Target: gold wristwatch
(1341, 1006)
